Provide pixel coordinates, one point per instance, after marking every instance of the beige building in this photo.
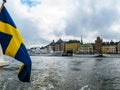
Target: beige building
(113, 49)
(118, 47)
(59, 45)
(109, 47)
(86, 48)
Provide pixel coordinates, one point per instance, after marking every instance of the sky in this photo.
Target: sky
(42, 21)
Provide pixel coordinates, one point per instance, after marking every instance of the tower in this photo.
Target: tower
(98, 45)
(81, 42)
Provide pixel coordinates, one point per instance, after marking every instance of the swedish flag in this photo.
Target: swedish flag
(13, 45)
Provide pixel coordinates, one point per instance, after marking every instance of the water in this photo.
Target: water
(65, 73)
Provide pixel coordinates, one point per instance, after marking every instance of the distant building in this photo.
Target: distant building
(72, 45)
(112, 47)
(105, 47)
(118, 46)
(86, 48)
(98, 44)
(109, 47)
(52, 45)
(59, 45)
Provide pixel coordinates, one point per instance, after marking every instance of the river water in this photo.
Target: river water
(65, 73)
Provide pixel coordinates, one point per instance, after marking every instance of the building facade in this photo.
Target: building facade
(109, 47)
(72, 45)
(118, 47)
(59, 45)
(98, 45)
(86, 48)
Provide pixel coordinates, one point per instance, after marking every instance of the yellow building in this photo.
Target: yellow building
(72, 45)
(109, 47)
(105, 49)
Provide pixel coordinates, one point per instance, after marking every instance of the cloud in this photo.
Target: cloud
(94, 19)
(41, 21)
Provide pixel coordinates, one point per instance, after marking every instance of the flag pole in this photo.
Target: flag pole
(2, 62)
(4, 1)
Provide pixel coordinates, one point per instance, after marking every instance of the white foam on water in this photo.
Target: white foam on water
(85, 87)
(50, 86)
(5, 86)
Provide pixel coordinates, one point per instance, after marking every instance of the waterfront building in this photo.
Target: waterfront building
(98, 44)
(118, 47)
(52, 45)
(86, 48)
(72, 46)
(112, 47)
(109, 47)
(105, 47)
(59, 45)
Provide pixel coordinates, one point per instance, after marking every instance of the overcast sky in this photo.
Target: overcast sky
(41, 21)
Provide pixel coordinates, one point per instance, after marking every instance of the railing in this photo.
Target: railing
(2, 62)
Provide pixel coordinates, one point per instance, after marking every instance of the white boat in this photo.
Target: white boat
(2, 62)
(56, 53)
(52, 53)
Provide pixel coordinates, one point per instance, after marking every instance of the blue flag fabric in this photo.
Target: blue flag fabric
(13, 45)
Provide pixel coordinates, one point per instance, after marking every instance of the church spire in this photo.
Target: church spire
(81, 42)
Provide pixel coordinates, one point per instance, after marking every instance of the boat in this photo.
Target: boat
(68, 53)
(52, 53)
(56, 53)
